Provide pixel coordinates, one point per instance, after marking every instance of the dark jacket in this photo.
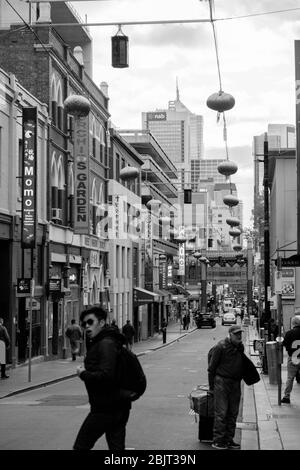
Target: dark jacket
(74, 332)
(289, 338)
(128, 331)
(225, 359)
(101, 375)
(4, 336)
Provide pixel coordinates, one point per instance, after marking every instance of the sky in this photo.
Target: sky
(257, 66)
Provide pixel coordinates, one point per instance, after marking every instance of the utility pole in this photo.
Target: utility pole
(266, 228)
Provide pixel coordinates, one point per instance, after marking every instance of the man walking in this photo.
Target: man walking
(110, 407)
(291, 343)
(225, 367)
(74, 333)
(4, 345)
(129, 332)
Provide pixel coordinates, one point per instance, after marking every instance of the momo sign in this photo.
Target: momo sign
(29, 173)
(81, 167)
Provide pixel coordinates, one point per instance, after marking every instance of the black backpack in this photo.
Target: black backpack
(131, 374)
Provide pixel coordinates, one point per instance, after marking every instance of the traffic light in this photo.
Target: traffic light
(187, 196)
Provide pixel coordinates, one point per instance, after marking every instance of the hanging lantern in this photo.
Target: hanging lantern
(227, 168)
(233, 221)
(77, 105)
(230, 200)
(119, 50)
(235, 232)
(129, 173)
(220, 101)
(153, 202)
(237, 247)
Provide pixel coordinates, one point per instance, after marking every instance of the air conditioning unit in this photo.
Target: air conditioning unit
(57, 215)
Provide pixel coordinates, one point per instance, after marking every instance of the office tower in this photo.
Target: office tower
(179, 132)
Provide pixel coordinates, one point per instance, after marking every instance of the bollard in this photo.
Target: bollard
(271, 348)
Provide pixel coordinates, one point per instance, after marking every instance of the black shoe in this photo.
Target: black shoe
(234, 445)
(219, 446)
(5, 376)
(285, 400)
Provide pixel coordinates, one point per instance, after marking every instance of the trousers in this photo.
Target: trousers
(291, 374)
(112, 424)
(227, 395)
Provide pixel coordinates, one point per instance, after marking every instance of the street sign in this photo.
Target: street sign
(23, 285)
(34, 306)
(292, 261)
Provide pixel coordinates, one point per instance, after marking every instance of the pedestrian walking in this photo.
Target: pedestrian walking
(291, 342)
(114, 324)
(188, 320)
(129, 332)
(109, 408)
(225, 372)
(74, 333)
(4, 345)
(164, 325)
(184, 321)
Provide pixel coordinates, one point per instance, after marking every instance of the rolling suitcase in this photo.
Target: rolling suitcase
(202, 402)
(206, 417)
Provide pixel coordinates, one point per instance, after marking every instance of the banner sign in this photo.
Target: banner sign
(81, 167)
(29, 172)
(288, 283)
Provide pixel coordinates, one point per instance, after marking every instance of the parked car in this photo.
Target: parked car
(229, 318)
(205, 319)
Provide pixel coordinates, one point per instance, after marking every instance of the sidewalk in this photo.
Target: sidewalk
(47, 372)
(277, 426)
(265, 424)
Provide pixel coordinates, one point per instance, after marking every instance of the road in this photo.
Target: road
(49, 418)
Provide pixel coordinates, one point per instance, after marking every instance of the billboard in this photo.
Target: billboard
(29, 174)
(81, 170)
(157, 116)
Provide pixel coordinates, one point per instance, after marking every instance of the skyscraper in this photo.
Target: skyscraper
(179, 132)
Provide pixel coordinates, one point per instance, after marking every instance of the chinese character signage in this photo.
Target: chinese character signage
(81, 165)
(29, 212)
(288, 283)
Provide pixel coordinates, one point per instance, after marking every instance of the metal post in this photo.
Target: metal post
(279, 343)
(30, 328)
(266, 228)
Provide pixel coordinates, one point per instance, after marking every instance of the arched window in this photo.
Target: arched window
(55, 210)
(53, 101)
(93, 205)
(60, 108)
(71, 196)
(101, 214)
(102, 143)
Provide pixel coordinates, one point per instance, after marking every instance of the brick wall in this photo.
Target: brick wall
(18, 56)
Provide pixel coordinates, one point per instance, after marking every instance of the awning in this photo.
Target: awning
(165, 294)
(142, 296)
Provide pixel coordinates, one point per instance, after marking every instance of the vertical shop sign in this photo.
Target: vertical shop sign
(81, 162)
(29, 173)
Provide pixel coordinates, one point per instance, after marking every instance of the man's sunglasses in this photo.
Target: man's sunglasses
(89, 322)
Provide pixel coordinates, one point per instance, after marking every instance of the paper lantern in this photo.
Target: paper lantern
(220, 101)
(230, 200)
(119, 50)
(237, 247)
(77, 105)
(227, 168)
(233, 221)
(129, 173)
